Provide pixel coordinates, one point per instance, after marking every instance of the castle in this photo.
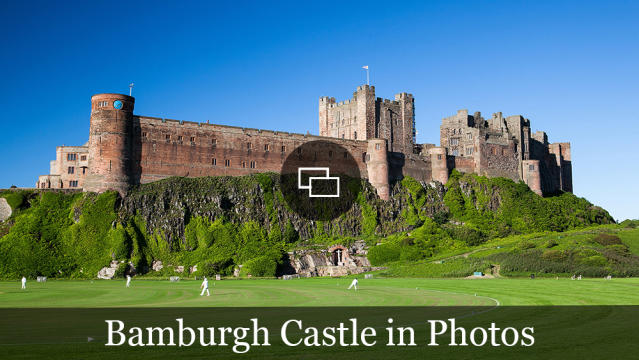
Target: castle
(126, 149)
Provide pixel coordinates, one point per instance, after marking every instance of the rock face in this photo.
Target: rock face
(5, 209)
(167, 205)
(334, 261)
(107, 273)
(156, 265)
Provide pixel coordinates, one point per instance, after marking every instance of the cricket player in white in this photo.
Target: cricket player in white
(128, 280)
(24, 282)
(205, 287)
(353, 284)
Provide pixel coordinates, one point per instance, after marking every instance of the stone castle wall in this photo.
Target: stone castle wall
(126, 149)
(164, 148)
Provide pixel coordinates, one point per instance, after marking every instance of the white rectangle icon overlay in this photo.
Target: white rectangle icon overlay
(309, 186)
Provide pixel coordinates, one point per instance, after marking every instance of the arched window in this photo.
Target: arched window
(355, 135)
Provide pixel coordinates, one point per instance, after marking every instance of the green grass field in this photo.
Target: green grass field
(322, 292)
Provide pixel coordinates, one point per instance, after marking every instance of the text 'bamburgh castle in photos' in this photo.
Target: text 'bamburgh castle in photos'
(126, 149)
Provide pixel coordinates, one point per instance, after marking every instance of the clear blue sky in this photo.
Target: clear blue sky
(572, 67)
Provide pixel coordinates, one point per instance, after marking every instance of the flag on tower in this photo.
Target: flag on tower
(365, 67)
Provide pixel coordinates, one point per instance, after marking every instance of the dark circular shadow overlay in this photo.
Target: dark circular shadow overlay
(322, 154)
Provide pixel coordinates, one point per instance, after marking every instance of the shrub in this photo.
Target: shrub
(607, 239)
(263, 266)
(524, 245)
(551, 243)
(384, 253)
(631, 224)
(411, 253)
(471, 236)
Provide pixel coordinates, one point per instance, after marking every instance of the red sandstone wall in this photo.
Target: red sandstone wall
(155, 157)
(464, 164)
(499, 160)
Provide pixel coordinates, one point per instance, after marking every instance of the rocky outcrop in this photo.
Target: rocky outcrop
(156, 265)
(166, 206)
(324, 262)
(5, 209)
(107, 273)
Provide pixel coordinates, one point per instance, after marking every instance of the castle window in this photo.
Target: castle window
(470, 136)
(179, 138)
(192, 139)
(72, 157)
(454, 141)
(84, 170)
(70, 170)
(531, 167)
(493, 151)
(227, 163)
(439, 156)
(83, 158)
(283, 148)
(214, 161)
(248, 146)
(503, 151)
(469, 151)
(253, 165)
(342, 136)
(213, 142)
(266, 147)
(143, 134)
(243, 164)
(73, 183)
(455, 152)
(364, 157)
(168, 138)
(376, 146)
(454, 131)
(355, 135)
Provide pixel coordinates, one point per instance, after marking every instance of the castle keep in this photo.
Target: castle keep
(126, 149)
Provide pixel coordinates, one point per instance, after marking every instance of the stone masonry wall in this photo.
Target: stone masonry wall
(163, 148)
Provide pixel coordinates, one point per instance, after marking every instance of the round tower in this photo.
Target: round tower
(377, 167)
(532, 175)
(110, 143)
(439, 164)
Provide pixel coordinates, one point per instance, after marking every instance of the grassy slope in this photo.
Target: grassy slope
(464, 261)
(322, 292)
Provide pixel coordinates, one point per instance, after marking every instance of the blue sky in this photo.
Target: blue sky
(572, 67)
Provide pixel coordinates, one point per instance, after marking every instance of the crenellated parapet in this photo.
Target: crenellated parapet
(126, 149)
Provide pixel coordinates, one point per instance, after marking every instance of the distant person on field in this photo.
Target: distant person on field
(205, 287)
(24, 282)
(353, 284)
(128, 281)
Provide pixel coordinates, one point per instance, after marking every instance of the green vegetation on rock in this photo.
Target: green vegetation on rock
(212, 225)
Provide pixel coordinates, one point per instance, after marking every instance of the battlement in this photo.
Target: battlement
(126, 149)
(237, 130)
(366, 88)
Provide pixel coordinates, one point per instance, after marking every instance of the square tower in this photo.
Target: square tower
(365, 117)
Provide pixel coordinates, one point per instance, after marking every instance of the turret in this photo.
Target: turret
(439, 164)
(110, 143)
(377, 167)
(365, 97)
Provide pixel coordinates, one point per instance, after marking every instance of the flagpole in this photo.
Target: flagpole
(365, 67)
